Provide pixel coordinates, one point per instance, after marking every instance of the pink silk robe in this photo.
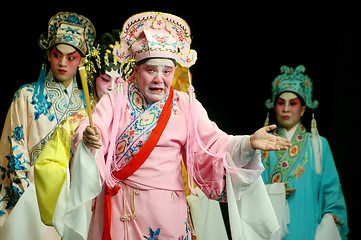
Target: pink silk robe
(151, 203)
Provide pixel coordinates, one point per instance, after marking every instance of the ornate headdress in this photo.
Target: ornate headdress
(69, 28)
(101, 59)
(292, 80)
(156, 35)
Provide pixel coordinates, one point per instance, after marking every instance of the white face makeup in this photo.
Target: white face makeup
(155, 78)
(289, 110)
(106, 82)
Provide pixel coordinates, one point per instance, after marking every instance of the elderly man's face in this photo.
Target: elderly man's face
(155, 78)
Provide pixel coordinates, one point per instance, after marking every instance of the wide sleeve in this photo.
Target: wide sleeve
(102, 119)
(216, 151)
(227, 168)
(331, 196)
(251, 214)
(245, 162)
(72, 215)
(14, 156)
(51, 172)
(205, 149)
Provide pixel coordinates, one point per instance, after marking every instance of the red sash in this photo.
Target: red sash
(136, 162)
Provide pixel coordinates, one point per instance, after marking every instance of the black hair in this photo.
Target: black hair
(105, 51)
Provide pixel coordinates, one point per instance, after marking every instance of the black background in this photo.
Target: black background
(241, 48)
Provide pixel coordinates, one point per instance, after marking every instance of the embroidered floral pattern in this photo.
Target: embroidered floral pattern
(285, 169)
(16, 162)
(187, 232)
(277, 177)
(284, 164)
(153, 235)
(293, 151)
(15, 167)
(18, 133)
(299, 171)
(264, 158)
(337, 220)
(42, 107)
(145, 118)
(30, 88)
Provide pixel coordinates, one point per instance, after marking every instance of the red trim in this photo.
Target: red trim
(109, 192)
(136, 162)
(147, 148)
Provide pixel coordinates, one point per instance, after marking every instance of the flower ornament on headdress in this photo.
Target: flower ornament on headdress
(292, 80)
(69, 28)
(155, 35)
(101, 59)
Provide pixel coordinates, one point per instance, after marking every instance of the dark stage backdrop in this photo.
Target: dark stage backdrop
(240, 51)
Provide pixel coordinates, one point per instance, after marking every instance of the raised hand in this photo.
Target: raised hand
(91, 138)
(262, 140)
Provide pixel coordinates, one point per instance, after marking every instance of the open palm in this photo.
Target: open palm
(262, 140)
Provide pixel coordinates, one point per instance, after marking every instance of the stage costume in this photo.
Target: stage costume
(51, 168)
(137, 185)
(37, 109)
(307, 166)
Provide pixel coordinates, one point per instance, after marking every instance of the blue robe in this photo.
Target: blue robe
(315, 194)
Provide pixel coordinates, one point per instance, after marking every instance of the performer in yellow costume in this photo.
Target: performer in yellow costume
(37, 108)
(53, 163)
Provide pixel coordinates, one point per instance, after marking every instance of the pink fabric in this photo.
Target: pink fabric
(155, 34)
(155, 195)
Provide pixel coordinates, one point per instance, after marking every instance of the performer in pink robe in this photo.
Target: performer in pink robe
(142, 132)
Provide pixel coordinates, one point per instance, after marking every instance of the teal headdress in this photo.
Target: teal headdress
(293, 80)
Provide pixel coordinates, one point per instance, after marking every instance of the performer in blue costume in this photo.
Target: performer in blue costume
(307, 169)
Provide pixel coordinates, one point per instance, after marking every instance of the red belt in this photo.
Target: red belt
(136, 162)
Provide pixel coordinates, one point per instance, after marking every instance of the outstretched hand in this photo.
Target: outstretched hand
(262, 140)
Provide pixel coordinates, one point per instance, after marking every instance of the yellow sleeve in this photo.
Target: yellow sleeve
(50, 173)
(50, 169)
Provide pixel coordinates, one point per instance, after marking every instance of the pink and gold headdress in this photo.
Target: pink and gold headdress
(162, 35)
(156, 35)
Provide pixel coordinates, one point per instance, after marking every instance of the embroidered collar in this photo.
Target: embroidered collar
(288, 158)
(145, 118)
(279, 131)
(289, 134)
(55, 95)
(138, 102)
(52, 82)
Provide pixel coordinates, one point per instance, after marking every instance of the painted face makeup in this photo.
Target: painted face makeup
(64, 61)
(289, 110)
(155, 78)
(106, 82)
